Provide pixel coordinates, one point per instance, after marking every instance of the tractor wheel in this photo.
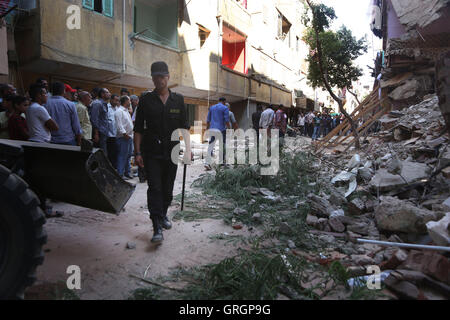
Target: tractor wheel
(21, 235)
(443, 86)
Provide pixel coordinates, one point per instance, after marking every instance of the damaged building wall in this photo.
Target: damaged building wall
(418, 13)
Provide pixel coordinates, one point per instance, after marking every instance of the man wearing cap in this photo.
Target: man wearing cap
(69, 93)
(158, 115)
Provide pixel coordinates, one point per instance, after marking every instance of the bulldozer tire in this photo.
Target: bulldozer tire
(443, 86)
(21, 235)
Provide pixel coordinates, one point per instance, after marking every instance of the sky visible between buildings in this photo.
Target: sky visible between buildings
(356, 15)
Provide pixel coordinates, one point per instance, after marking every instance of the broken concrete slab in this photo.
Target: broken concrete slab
(446, 204)
(439, 230)
(430, 263)
(404, 289)
(347, 178)
(337, 198)
(356, 207)
(355, 161)
(285, 228)
(405, 91)
(411, 172)
(257, 217)
(239, 211)
(320, 206)
(336, 224)
(360, 228)
(337, 213)
(393, 214)
(414, 14)
(311, 220)
(396, 259)
(362, 259)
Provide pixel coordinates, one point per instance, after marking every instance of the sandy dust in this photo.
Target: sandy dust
(96, 242)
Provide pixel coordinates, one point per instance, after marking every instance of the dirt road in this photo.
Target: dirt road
(96, 242)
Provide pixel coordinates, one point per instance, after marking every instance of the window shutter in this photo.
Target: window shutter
(108, 8)
(88, 4)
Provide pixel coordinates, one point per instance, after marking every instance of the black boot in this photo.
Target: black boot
(157, 230)
(166, 223)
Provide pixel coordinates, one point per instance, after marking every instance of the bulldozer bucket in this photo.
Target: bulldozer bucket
(68, 174)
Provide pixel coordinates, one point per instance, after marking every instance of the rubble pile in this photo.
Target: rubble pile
(395, 189)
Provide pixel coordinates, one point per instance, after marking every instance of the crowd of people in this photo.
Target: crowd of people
(316, 124)
(66, 116)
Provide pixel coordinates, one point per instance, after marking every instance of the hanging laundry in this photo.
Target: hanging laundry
(377, 18)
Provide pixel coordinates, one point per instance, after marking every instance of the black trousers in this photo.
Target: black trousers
(161, 176)
(112, 151)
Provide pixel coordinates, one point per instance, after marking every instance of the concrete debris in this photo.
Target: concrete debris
(354, 162)
(320, 207)
(418, 13)
(346, 177)
(337, 198)
(257, 217)
(336, 224)
(430, 263)
(411, 172)
(362, 260)
(291, 244)
(395, 260)
(446, 204)
(337, 213)
(311, 220)
(439, 231)
(131, 245)
(356, 207)
(405, 91)
(402, 196)
(398, 215)
(285, 228)
(239, 211)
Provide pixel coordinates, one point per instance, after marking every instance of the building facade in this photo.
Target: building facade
(247, 51)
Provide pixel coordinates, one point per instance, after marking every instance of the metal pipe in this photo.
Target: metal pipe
(404, 245)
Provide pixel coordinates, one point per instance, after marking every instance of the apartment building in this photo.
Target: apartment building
(249, 51)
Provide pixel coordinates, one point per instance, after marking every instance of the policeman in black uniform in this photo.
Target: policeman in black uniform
(159, 113)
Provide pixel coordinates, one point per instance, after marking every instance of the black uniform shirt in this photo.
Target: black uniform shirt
(156, 122)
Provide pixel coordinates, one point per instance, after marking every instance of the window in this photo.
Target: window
(233, 49)
(105, 7)
(242, 3)
(203, 34)
(284, 26)
(157, 21)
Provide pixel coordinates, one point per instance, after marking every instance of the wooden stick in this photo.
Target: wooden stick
(156, 284)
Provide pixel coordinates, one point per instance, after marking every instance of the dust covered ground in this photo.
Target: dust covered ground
(97, 243)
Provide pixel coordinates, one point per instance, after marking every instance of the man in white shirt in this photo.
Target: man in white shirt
(301, 123)
(266, 120)
(124, 126)
(39, 122)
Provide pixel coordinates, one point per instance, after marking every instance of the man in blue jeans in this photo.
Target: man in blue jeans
(218, 120)
(124, 135)
(317, 122)
(65, 114)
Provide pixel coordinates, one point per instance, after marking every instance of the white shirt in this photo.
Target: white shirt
(266, 118)
(37, 116)
(124, 123)
(301, 121)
